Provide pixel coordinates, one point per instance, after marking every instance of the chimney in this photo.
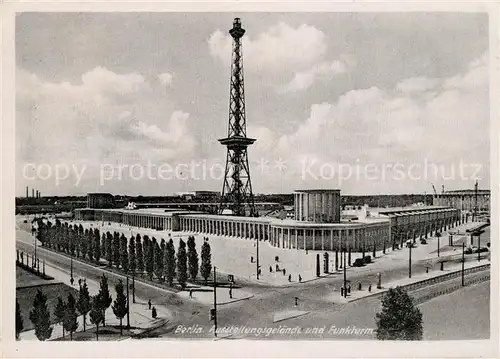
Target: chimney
(27, 193)
(33, 193)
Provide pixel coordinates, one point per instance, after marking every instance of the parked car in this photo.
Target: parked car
(359, 262)
(481, 250)
(367, 259)
(423, 241)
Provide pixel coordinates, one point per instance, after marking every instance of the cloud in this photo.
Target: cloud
(165, 79)
(280, 47)
(107, 118)
(304, 80)
(442, 121)
(417, 84)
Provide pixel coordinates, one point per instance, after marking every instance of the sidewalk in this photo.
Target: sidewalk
(356, 294)
(140, 315)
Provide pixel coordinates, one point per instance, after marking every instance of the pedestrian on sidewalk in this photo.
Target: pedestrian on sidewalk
(231, 292)
(251, 259)
(359, 286)
(80, 282)
(370, 288)
(149, 304)
(154, 314)
(289, 277)
(270, 269)
(72, 281)
(284, 271)
(190, 293)
(341, 291)
(277, 268)
(300, 279)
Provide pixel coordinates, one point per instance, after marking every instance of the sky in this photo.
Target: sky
(134, 103)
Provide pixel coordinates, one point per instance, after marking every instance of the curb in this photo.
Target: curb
(237, 300)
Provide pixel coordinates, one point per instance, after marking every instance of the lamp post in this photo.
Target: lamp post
(215, 303)
(463, 264)
(257, 261)
(133, 286)
(345, 275)
(438, 235)
(128, 305)
(71, 260)
(409, 262)
(479, 247)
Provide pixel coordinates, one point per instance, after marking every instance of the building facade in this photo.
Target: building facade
(319, 206)
(100, 200)
(464, 200)
(379, 229)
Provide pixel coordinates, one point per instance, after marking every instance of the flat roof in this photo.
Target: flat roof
(317, 190)
(152, 211)
(355, 224)
(407, 209)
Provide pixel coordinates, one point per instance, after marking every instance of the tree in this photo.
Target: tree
(124, 253)
(104, 246)
(70, 322)
(169, 262)
(19, 320)
(90, 244)
(159, 250)
(182, 264)
(40, 317)
(139, 254)
(132, 263)
(116, 249)
(399, 319)
(96, 314)
(150, 255)
(97, 245)
(206, 261)
(83, 304)
(60, 311)
(109, 252)
(105, 297)
(192, 258)
(120, 304)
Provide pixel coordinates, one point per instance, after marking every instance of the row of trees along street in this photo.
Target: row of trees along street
(67, 312)
(143, 256)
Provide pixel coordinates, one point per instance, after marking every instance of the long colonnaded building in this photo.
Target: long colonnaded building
(464, 200)
(316, 226)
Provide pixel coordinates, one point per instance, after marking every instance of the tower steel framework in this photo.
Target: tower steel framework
(237, 187)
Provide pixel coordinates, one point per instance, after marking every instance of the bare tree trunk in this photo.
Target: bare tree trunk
(97, 332)
(84, 320)
(121, 327)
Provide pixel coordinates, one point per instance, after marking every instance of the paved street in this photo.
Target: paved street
(323, 316)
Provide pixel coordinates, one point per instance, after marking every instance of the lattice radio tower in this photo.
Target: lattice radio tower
(237, 188)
